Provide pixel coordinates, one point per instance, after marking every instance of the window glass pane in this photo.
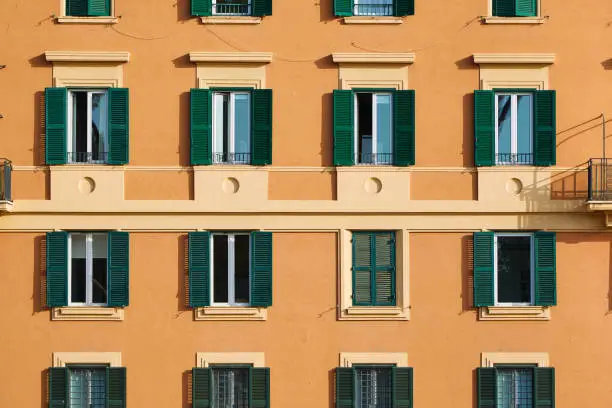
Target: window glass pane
(242, 263)
(242, 127)
(373, 388)
(383, 129)
(220, 256)
(100, 254)
(79, 127)
(364, 130)
(514, 269)
(87, 388)
(524, 127)
(504, 128)
(78, 268)
(374, 7)
(98, 126)
(230, 388)
(231, 7)
(515, 388)
(220, 127)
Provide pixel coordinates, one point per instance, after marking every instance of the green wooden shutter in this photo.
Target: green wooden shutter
(77, 8)
(199, 269)
(118, 268)
(344, 128)
(201, 8)
(362, 268)
(526, 8)
(56, 122)
(118, 125)
(404, 8)
(544, 387)
(384, 267)
(545, 141)
(545, 268)
(261, 143)
(201, 387)
(504, 8)
(345, 387)
(261, 269)
(58, 387)
(57, 269)
(404, 129)
(262, 8)
(484, 128)
(259, 391)
(484, 248)
(116, 387)
(403, 387)
(487, 387)
(201, 126)
(98, 7)
(343, 8)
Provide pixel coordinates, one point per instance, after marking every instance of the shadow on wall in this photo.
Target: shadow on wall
(44, 389)
(326, 10)
(332, 387)
(468, 130)
(467, 274)
(607, 64)
(474, 388)
(183, 10)
(183, 275)
(327, 130)
(38, 151)
(39, 291)
(184, 129)
(187, 392)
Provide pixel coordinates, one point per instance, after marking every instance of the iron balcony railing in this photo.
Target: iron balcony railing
(514, 158)
(378, 9)
(231, 9)
(88, 157)
(382, 159)
(6, 169)
(600, 180)
(231, 158)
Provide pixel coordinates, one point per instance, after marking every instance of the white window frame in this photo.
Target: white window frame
(515, 384)
(71, 130)
(532, 267)
(248, 13)
(230, 124)
(88, 270)
(89, 382)
(513, 127)
(356, 9)
(374, 127)
(231, 269)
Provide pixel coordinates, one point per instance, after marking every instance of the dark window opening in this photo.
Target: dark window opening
(514, 269)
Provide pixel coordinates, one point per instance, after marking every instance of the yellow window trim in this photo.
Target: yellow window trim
(513, 20)
(374, 57)
(87, 313)
(87, 56)
(490, 359)
(61, 359)
(204, 360)
(373, 20)
(243, 57)
(231, 20)
(349, 359)
(501, 313)
(230, 313)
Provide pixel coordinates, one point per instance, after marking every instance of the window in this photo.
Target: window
(514, 269)
(515, 8)
(374, 268)
(88, 8)
(373, 8)
(87, 387)
(230, 387)
(87, 121)
(373, 387)
(231, 269)
(374, 126)
(235, 386)
(257, 8)
(87, 283)
(516, 386)
(514, 128)
(376, 8)
(232, 7)
(232, 127)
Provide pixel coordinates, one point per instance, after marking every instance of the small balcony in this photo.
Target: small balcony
(6, 199)
(600, 187)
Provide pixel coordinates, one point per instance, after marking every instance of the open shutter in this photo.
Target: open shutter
(404, 8)
(116, 387)
(261, 127)
(544, 387)
(199, 269)
(262, 8)
(56, 122)
(487, 387)
(402, 383)
(545, 141)
(384, 267)
(404, 120)
(526, 8)
(545, 268)
(261, 269)
(345, 387)
(77, 8)
(484, 128)
(98, 7)
(343, 8)
(259, 391)
(201, 387)
(57, 269)
(58, 387)
(201, 126)
(484, 247)
(504, 8)
(118, 268)
(200, 8)
(344, 128)
(118, 125)
(362, 268)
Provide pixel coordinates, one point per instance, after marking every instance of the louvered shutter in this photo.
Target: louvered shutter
(362, 268)
(345, 387)
(262, 8)
(118, 268)
(261, 269)
(199, 269)
(545, 268)
(545, 140)
(384, 267)
(487, 387)
(544, 387)
(201, 126)
(343, 8)
(119, 125)
(504, 8)
(484, 248)
(76, 8)
(484, 128)
(116, 386)
(58, 387)
(56, 122)
(404, 129)
(57, 268)
(259, 392)
(201, 8)
(526, 8)
(98, 7)
(261, 127)
(201, 387)
(403, 387)
(404, 8)
(344, 128)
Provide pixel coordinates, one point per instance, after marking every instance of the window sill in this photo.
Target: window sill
(513, 20)
(87, 313)
(500, 313)
(372, 20)
(231, 20)
(87, 20)
(6, 206)
(374, 313)
(230, 313)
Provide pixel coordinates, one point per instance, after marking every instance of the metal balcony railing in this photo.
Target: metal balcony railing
(88, 157)
(600, 180)
(232, 9)
(512, 159)
(381, 159)
(6, 169)
(231, 158)
(378, 9)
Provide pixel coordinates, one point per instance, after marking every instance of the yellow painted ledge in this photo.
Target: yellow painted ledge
(492, 358)
(204, 359)
(513, 20)
(230, 313)
(87, 20)
(514, 313)
(87, 56)
(514, 58)
(350, 359)
(374, 313)
(374, 57)
(87, 313)
(61, 359)
(231, 20)
(256, 57)
(372, 20)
